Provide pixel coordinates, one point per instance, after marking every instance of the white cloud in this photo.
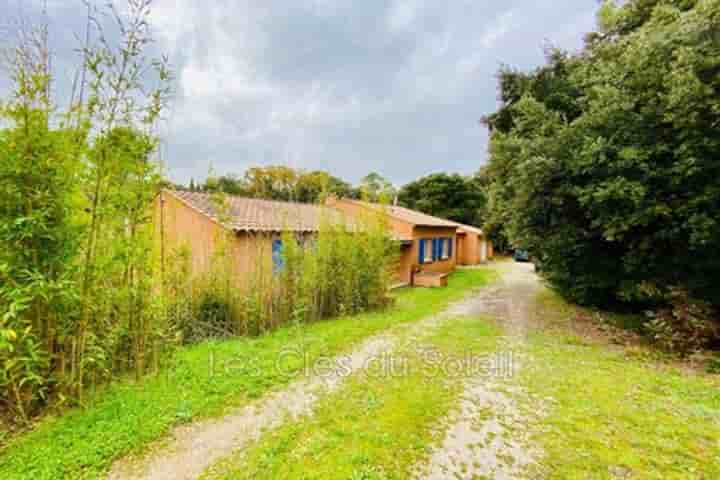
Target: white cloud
(350, 86)
(403, 13)
(497, 29)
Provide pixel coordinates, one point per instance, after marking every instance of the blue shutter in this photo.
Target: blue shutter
(421, 251)
(436, 244)
(450, 246)
(277, 258)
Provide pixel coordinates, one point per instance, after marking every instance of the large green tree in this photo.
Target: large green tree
(451, 196)
(605, 164)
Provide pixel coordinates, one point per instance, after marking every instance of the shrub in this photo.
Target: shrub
(332, 272)
(685, 326)
(210, 318)
(714, 366)
(604, 163)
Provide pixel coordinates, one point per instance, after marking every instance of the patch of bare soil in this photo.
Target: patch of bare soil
(488, 434)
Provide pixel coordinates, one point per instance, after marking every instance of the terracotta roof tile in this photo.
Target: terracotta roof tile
(252, 214)
(409, 216)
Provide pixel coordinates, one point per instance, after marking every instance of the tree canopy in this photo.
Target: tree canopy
(280, 183)
(451, 196)
(605, 164)
(375, 188)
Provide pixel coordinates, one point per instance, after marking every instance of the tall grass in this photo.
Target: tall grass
(341, 269)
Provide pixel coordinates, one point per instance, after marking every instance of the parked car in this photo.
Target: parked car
(521, 255)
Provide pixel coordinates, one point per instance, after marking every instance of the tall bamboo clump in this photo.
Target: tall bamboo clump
(342, 269)
(76, 183)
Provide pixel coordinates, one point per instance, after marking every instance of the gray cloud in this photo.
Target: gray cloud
(348, 86)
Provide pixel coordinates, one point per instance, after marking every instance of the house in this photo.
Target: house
(473, 246)
(251, 229)
(427, 243)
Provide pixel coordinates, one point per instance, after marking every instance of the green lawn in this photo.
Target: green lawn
(616, 414)
(128, 416)
(380, 424)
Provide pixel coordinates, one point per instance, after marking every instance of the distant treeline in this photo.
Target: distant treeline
(453, 196)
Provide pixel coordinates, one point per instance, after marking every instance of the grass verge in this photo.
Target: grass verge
(205, 381)
(380, 424)
(614, 415)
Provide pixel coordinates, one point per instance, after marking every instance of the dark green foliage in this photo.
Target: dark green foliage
(686, 326)
(212, 319)
(605, 164)
(450, 196)
(549, 85)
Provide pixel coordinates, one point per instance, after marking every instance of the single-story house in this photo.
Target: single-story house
(473, 246)
(254, 227)
(428, 248)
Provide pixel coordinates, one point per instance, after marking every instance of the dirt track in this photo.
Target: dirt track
(478, 440)
(487, 435)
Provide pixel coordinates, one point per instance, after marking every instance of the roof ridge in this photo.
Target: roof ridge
(243, 197)
(412, 211)
(248, 213)
(191, 205)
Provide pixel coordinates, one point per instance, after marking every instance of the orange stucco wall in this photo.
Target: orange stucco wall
(182, 227)
(355, 210)
(440, 266)
(410, 254)
(408, 261)
(473, 249)
(406, 264)
(469, 249)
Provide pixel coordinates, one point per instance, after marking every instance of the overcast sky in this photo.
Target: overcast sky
(393, 86)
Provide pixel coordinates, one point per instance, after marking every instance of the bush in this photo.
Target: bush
(686, 326)
(210, 318)
(714, 366)
(604, 163)
(333, 272)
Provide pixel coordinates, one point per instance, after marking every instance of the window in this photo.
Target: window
(445, 248)
(426, 250)
(434, 249)
(428, 257)
(277, 257)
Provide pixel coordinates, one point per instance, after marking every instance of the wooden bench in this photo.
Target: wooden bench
(431, 279)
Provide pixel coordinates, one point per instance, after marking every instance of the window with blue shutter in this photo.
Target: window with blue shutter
(277, 258)
(442, 248)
